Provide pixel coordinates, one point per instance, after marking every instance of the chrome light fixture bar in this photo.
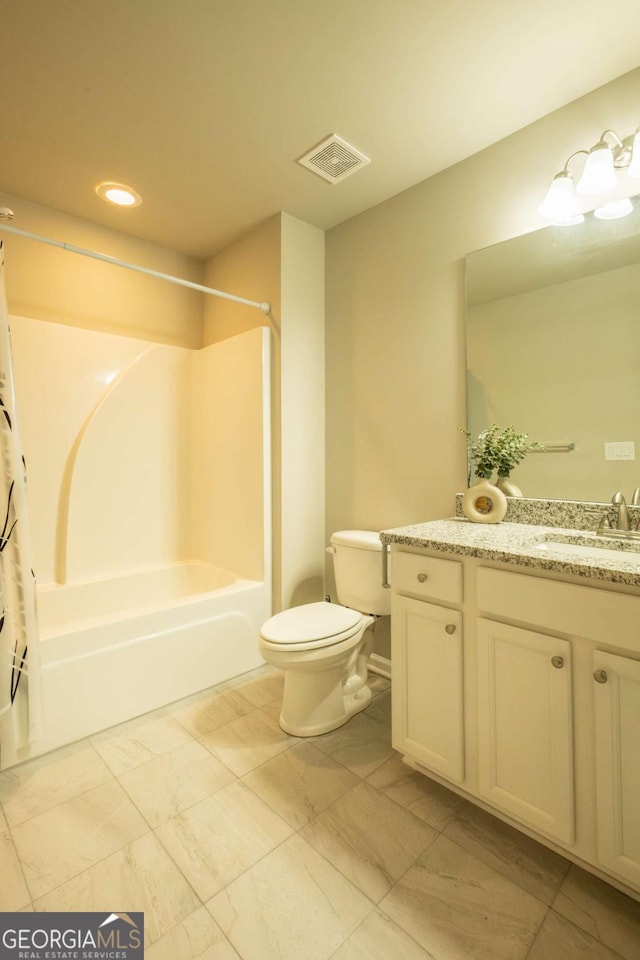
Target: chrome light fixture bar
(598, 178)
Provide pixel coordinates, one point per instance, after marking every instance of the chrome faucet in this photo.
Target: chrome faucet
(622, 514)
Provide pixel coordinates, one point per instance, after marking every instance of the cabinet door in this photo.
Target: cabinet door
(525, 726)
(427, 685)
(616, 689)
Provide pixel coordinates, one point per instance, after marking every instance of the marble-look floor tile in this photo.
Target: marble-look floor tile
(456, 907)
(38, 785)
(517, 857)
(369, 839)
(221, 836)
(205, 712)
(13, 889)
(601, 910)
(361, 745)
(291, 905)
(140, 877)
(380, 709)
(378, 684)
(174, 781)
(137, 741)
(300, 783)
(273, 709)
(248, 742)
(263, 689)
(425, 798)
(559, 939)
(197, 938)
(379, 938)
(62, 842)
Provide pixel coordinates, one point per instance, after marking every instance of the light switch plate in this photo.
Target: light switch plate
(620, 450)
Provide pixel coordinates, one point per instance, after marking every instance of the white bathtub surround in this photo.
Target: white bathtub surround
(20, 700)
(146, 461)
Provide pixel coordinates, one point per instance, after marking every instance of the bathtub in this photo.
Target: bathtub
(114, 648)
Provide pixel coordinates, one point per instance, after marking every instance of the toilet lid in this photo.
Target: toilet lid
(312, 623)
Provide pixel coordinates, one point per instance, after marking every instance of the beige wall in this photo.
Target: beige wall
(48, 283)
(282, 261)
(303, 413)
(395, 314)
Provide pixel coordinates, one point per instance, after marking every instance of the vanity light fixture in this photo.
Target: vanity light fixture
(598, 178)
(119, 194)
(614, 210)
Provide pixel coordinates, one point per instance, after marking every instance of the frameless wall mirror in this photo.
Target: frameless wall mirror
(553, 348)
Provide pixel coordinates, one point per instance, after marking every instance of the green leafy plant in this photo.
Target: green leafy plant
(498, 449)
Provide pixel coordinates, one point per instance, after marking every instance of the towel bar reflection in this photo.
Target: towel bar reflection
(554, 448)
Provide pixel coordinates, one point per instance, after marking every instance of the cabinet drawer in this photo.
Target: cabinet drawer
(427, 576)
(596, 614)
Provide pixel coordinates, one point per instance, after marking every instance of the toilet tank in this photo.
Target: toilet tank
(357, 558)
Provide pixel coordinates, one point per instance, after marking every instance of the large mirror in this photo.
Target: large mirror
(553, 349)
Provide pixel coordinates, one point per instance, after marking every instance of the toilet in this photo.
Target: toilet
(324, 647)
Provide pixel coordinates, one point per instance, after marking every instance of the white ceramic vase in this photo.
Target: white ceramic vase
(508, 487)
(484, 503)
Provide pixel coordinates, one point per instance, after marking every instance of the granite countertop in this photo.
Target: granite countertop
(527, 545)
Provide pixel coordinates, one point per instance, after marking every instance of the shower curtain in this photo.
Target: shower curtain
(20, 699)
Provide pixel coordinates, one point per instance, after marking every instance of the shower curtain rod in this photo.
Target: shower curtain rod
(265, 307)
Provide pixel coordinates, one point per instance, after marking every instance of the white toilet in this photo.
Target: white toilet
(324, 647)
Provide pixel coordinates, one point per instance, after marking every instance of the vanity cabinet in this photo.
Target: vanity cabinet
(533, 709)
(525, 730)
(427, 651)
(428, 693)
(616, 691)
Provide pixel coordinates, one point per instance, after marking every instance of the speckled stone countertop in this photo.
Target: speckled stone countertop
(527, 545)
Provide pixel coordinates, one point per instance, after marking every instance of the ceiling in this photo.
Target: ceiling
(204, 106)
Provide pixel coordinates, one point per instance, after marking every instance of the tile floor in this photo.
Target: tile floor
(238, 841)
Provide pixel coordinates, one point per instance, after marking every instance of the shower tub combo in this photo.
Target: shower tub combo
(113, 648)
(148, 483)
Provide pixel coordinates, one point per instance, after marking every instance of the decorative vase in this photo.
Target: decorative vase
(508, 487)
(484, 503)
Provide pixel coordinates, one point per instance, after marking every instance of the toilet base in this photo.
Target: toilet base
(329, 714)
(324, 688)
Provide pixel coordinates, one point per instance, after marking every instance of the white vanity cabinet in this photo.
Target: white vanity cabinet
(525, 729)
(533, 709)
(617, 762)
(427, 657)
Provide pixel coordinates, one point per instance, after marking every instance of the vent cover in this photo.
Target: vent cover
(334, 159)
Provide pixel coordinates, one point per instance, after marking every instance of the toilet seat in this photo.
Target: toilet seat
(311, 627)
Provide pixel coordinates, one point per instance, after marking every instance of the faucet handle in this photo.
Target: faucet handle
(635, 499)
(602, 516)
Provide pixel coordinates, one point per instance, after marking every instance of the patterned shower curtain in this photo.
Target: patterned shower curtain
(20, 700)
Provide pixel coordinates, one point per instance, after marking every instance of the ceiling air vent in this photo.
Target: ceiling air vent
(334, 159)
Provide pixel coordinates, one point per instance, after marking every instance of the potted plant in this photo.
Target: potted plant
(500, 450)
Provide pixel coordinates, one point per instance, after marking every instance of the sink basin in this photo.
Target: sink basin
(558, 548)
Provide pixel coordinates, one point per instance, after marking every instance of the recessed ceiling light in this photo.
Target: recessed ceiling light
(118, 193)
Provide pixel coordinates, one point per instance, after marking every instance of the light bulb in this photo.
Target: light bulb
(119, 194)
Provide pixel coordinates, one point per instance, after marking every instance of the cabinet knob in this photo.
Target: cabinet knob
(600, 676)
(557, 662)
(422, 577)
(450, 628)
